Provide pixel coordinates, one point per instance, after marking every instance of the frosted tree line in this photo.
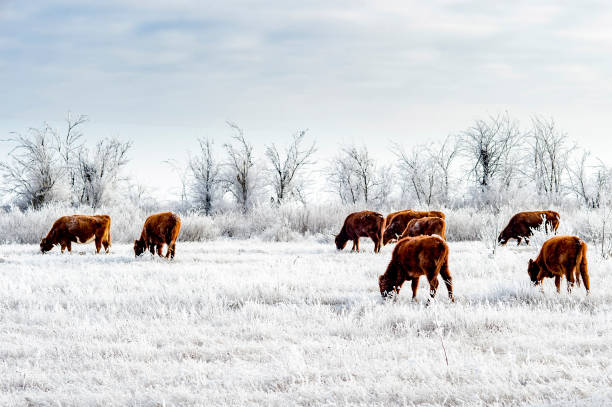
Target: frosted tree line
(488, 164)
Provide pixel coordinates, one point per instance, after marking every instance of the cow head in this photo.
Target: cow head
(45, 245)
(533, 271)
(502, 239)
(387, 290)
(392, 232)
(139, 247)
(340, 241)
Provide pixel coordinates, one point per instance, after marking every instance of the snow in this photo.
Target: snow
(251, 322)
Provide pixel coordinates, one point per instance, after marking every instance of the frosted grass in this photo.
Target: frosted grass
(235, 322)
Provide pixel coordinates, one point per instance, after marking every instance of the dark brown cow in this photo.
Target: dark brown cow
(392, 215)
(78, 229)
(521, 225)
(412, 258)
(395, 228)
(159, 229)
(361, 224)
(561, 256)
(429, 226)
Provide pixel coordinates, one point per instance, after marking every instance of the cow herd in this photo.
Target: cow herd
(421, 248)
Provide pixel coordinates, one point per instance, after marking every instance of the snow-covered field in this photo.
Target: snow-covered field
(233, 322)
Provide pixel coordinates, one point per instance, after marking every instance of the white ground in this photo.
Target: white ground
(259, 323)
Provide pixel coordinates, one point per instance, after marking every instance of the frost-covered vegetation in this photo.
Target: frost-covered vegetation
(294, 222)
(235, 322)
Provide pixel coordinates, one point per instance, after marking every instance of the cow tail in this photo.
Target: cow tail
(443, 248)
(381, 232)
(581, 269)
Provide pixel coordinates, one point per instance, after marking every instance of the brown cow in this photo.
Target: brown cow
(159, 229)
(561, 256)
(429, 225)
(412, 258)
(398, 223)
(521, 225)
(79, 229)
(361, 224)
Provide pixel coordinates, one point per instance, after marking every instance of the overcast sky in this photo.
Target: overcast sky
(162, 73)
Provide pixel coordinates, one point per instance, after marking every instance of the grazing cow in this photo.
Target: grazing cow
(159, 229)
(412, 258)
(398, 223)
(561, 256)
(361, 224)
(429, 225)
(521, 225)
(392, 215)
(79, 229)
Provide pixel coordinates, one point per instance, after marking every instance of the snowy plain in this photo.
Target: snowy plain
(249, 322)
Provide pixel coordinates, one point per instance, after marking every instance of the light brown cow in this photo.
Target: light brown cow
(159, 229)
(361, 224)
(412, 258)
(429, 226)
(520, 225)
(399, 221)
(561, 256)
(78, 229)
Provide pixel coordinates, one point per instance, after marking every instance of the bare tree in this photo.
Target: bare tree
(206, 176)
(489, 145)
(384, 185)
(34, 171)
(353, 175)
(589, 182)
(443, 156)
(343, 181)
(240, 178)
(285, 171)
(419, 173)
(99, 172)
(364, 168)
(182, 173)
(549, 154)
(68, 147)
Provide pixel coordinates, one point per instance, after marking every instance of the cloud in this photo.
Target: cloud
(347, 68)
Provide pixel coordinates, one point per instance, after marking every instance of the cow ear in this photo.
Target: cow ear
(135, 241)
(530, 262)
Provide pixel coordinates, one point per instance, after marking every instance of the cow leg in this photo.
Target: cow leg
(518, 241)
(106, 245)
(151, 248)
(376, 241)
(415, 287)
(433, 288)
(63, 247)
(172, 249)
(357, 244)
(570, 281)
(448, 280)
(159, 249)
(98, 244)
(373, 240)
(540, 278)
(558, 283)
(353, 248)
